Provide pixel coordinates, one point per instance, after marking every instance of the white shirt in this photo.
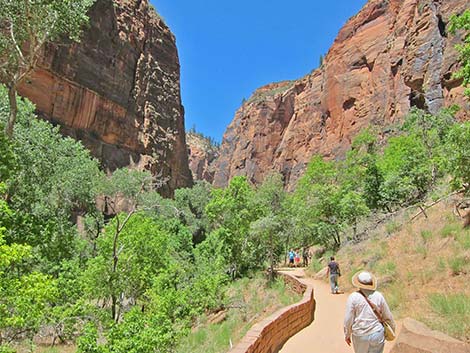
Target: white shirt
(360, 319)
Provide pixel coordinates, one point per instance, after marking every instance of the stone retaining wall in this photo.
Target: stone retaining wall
(269, 335)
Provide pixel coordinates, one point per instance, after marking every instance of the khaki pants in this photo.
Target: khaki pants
(373, 343)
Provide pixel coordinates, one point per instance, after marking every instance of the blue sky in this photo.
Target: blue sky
(227, 49)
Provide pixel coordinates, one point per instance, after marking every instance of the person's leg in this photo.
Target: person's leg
(336, 284)
(333, 282)
(360, 344)
(376, 342)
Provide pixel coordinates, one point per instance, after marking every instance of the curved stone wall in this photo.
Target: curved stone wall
(269, 335)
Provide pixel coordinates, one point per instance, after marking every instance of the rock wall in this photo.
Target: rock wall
(393, 55)
(118, 91)
(202, 153)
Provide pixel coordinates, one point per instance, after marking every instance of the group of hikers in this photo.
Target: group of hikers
(368, 321)
(294, 257)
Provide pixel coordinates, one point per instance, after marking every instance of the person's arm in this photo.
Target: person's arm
(348, 320)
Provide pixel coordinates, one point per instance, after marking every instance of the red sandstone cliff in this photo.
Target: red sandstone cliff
(202, 153)
(118, 91)
(393, 55)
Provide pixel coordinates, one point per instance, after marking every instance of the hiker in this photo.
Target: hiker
(362, 326)
(291, 257)
(333, 273)
(297, 258)
(305, 256)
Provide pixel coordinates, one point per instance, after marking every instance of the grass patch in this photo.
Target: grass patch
(458, 265)
(463, 239)
(422, 250)
(450, 230)
(352, 272)
(314, 266)
(396, 296)
(388, 268)
(454, 314)
(251, 301)
(426, 235)
(441, 264)
(392, 227)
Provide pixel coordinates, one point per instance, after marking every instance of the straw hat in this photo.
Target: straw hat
(364, 280)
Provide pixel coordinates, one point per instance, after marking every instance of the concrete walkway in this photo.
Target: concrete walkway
(325, 334)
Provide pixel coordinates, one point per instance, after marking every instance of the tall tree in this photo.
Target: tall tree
(462, 22)
(25, 26)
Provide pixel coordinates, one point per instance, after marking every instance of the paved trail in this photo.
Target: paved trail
(325, 334)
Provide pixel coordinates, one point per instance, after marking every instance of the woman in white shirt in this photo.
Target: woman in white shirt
(361, 325)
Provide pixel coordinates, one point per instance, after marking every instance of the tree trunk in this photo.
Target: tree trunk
(271, 259)
(113, 307)
(13, 110)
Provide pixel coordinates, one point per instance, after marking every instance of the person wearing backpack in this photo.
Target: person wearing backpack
(333, 273)
(368, 320)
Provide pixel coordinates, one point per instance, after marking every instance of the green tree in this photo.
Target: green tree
(407, 171)
(125, 266)
(49, 180)
(26, 26)
(267, 231)
(7, 158)
(322, 206)
(191, 204)
(432, 131)
(458, 156)
(359, 172)
(231, 214)
(25, 297)
(462, 22)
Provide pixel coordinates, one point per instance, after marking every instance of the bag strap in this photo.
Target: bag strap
(373, 307)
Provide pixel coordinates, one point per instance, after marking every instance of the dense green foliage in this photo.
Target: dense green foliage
(462, 22)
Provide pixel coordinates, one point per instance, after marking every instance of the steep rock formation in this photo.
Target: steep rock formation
(393, 55)
(202, 153)
(118, 91)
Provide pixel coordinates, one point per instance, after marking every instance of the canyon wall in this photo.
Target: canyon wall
(391, 56)
(118, 91)
(202, 154)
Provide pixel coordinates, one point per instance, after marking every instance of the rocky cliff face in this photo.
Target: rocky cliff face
(202, 154)
(393, 55)
(118, 91)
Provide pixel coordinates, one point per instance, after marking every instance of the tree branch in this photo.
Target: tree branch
(15, 43)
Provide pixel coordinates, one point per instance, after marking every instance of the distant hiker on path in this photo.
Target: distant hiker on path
(297, 258)
(333, 273)
(291, 258)
(305, 256)
(361, 324)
